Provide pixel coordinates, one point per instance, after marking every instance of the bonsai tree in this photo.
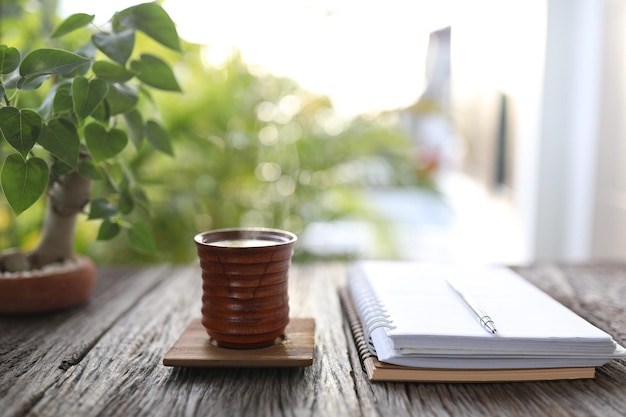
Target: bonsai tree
(95, 100)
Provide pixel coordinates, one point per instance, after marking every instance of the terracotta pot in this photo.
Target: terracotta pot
(42, 292)
(245, 301)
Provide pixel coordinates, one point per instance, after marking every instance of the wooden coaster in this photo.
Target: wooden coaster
(193, 349)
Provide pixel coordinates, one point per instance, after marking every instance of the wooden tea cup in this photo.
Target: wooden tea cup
(245, 301)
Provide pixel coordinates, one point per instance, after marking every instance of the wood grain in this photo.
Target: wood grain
(105, 357)
(36, 351)
(194, 349)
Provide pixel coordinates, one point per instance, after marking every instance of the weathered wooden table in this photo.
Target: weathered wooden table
(105, 357)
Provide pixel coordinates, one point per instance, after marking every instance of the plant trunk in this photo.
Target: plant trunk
(66, 199)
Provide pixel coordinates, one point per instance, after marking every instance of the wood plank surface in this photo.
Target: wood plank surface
(105, 357)
(35, 351)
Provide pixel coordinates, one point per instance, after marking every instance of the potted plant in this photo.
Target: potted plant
(95, 100)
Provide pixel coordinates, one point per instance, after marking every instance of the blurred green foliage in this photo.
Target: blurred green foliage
(251, 149)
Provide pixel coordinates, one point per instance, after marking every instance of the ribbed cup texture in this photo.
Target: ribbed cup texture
(245, 300)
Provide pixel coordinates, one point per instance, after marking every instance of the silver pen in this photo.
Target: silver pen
(481, 314)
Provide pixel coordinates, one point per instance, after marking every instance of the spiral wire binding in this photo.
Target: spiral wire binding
(371, 311)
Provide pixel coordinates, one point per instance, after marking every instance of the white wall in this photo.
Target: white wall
(563, 226)
(609, 231)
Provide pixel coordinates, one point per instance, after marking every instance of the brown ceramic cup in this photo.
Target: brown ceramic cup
(245, 301)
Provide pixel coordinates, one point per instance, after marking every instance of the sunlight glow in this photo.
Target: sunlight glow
(366, 56)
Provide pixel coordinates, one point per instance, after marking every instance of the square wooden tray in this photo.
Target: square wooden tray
(193, 349)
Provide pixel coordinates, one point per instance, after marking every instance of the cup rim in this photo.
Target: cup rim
(281, 237)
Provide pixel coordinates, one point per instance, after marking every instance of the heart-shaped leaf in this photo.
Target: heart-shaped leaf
(20, 128)
(104, 144)
(117, 46)
(87, 95)
(31, 83)
(140, 200)
(155, 72)
(141, 239)
(48, 61)
(102, 112)
(73, 22)
(87, 169)
(108, 230)
(134, 123)
(60, 138)
(9, 59)
(111, 72)
(23, 181)
(152, 20)
(126, 204)
(121, 99)
(100, 208)
(158, 137)
(59, 168)
(62, 102)
(88, 50)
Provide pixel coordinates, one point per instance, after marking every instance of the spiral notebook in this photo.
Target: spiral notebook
(412, 326)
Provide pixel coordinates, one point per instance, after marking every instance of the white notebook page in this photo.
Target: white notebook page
(429, 316)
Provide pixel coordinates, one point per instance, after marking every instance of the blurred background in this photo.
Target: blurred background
(477, 131)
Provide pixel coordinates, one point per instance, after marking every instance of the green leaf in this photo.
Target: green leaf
(141, 239)
(47, 61)
(63, 102)
(100, 208)
(158, 137)
(104, 144)
(140, 199)
(60, 168)
(152, 20)
(108, 230)
(89, 170)
(73, 22)
(117, 46)
(102, 112)
(111, 72)
(126, 203)
(87, 51)
(87, 95)
(20, 128)
(134, 123)
(155, 72)
(9, 59)
(121, 99)
(46, 107)
(31, 83)
(60, 138)
(23, 181)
